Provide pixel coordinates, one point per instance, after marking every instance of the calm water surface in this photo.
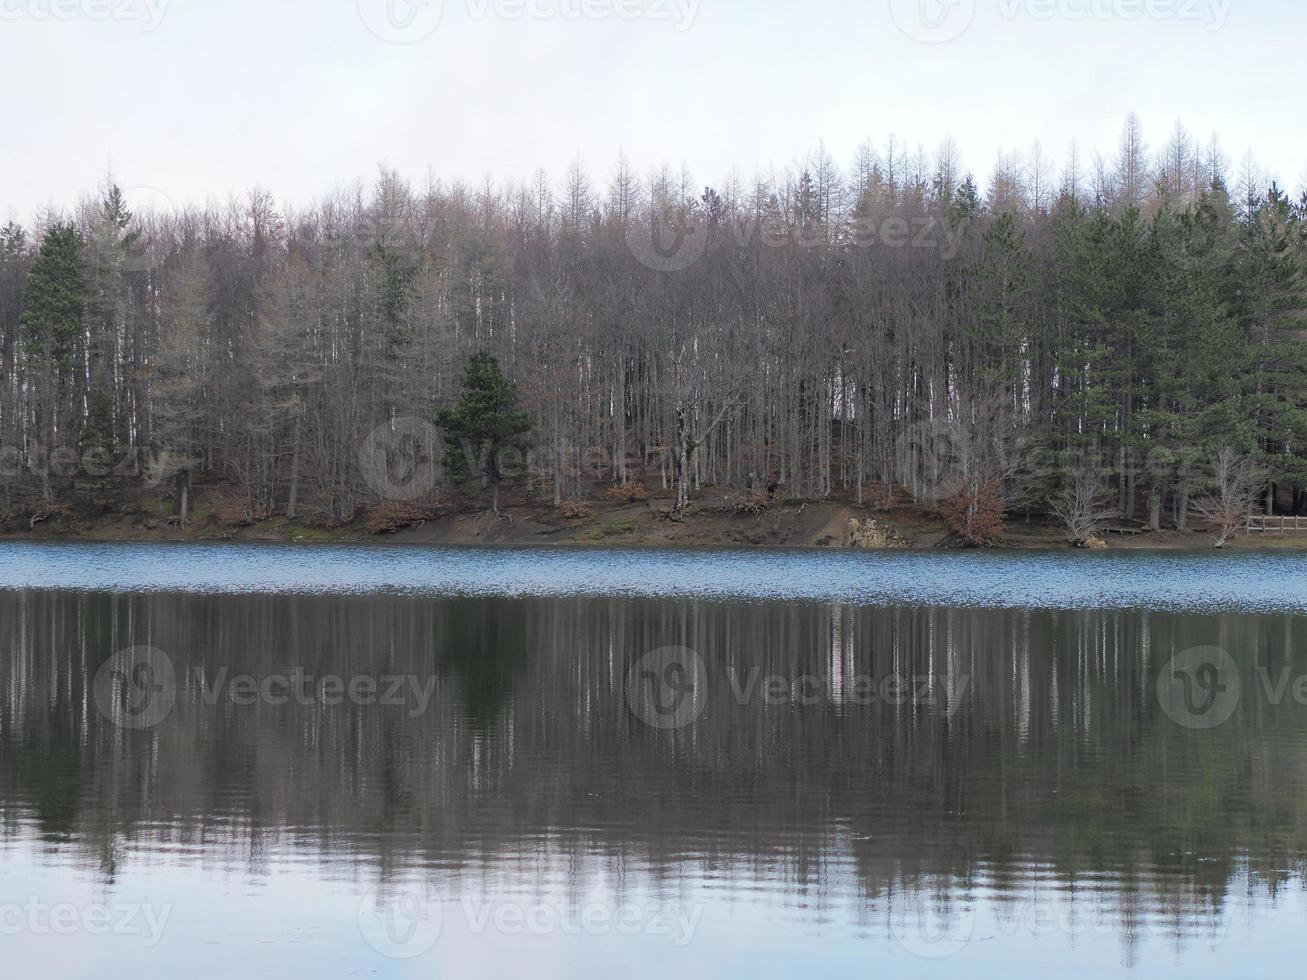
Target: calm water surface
(250, 761)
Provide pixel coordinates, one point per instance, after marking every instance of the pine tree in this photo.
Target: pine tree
(1268, 293)
(111, 249)
(1191, 354)
(483, 424)
(56, 298)
(1084, 301)
(52, 324)
(13, 240)
(1002, 293)
(97, 488)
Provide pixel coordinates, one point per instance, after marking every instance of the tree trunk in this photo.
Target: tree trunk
(1122, 491)
(684, 452)
(292, 498)
(683, 474)
(184, 497)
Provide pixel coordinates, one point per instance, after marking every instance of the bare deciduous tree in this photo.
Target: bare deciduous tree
(1080, 505)
(875, 335)
(1237, 480)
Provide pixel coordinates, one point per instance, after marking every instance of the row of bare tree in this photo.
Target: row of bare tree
(891, 328)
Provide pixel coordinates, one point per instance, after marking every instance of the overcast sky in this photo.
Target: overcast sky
(202, 98)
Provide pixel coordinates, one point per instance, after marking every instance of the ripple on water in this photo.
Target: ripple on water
(1246, 581)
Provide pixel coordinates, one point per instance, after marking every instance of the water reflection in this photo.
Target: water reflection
(899, 778)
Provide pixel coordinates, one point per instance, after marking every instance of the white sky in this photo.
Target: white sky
(303, 96)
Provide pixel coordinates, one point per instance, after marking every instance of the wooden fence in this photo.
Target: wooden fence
(1261, 524)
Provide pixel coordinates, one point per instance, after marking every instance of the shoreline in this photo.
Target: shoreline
(792, 525)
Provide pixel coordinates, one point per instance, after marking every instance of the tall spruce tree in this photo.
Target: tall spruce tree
(1134, 324)
(1269, 296)
(97, 484)
(484, 424)
(56, 298)
(52, 323)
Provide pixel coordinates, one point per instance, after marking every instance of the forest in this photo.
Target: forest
(1118, 338)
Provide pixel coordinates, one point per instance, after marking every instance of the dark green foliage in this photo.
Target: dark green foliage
(115, 209)
(906, 334)
(485, 647)
(1266, 296)
(390, 280)
(13, 241)
(97, 484)
(484, 424)
(1002, 286)
(56, 297)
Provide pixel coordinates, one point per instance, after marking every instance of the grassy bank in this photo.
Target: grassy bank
(642, 524)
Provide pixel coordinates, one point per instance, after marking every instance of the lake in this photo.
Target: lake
(403, 762)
